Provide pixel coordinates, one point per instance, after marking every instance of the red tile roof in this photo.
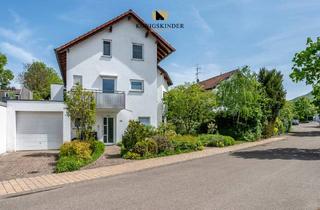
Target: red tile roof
(163, 47)
(165, 75)
(213, 82)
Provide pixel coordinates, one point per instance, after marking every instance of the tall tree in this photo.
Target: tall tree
(304, 109)
(239, 110)
(81, 108)
(38, 77)
(275, 97)
(6, 75)
(306, 66)
(188, 106)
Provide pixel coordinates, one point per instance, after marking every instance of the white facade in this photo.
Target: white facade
(138, 87)
(86, 59)
(3, 128)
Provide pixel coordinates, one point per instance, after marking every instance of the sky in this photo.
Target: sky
(218, 35)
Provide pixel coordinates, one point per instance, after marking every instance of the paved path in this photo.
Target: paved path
(279, 175)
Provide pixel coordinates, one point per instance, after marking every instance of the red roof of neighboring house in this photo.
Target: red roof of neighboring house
(213, 82)
(165, 75)
(163, 47)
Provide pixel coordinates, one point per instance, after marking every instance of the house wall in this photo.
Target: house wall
(3, 127)
(33, 106)
(86, 59)
(162, 88)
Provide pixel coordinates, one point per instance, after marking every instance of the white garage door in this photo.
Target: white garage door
(39, 130)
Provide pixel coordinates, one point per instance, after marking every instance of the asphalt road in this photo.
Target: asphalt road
(280, 175)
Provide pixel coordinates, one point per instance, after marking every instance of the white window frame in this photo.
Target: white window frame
(73, 78)
(110, 41)
(137, 59)
(137, 80)
(145, 117)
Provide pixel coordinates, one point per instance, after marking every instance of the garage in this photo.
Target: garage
(39, 130)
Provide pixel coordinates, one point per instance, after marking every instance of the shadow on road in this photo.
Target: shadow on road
(304, 134)
(280, 153)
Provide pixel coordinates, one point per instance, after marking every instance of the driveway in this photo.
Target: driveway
(280, 175)
(27, 164)
(36, 163)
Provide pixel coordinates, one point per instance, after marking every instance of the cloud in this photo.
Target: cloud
(19, 35)
(17, 52)
(200, 21)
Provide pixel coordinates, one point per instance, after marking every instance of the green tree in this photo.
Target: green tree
(38, 77)
(239, 110)
(81, 108)
(274, 97)
(306, 66)
(286, 115)
(6, 75)
(188, 106)
(304, 109)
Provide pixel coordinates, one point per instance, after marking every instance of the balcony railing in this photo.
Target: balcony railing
(114, 100)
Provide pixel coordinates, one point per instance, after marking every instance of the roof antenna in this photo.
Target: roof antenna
(197, 73)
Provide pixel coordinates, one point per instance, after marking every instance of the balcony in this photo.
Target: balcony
(114, 100)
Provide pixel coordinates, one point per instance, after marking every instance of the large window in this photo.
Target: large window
(136, 85)
(144, 120)
(137, 51)
(77, 80)
(106, 47)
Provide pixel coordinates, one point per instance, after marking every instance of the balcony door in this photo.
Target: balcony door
(108, 130)
(108, 85)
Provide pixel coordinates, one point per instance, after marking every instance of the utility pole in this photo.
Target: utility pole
(197, 73)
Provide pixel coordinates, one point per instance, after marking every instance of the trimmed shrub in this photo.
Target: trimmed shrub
(205, 138)
(186, 143)
(69, 163)
(217, 140)
(146, 147)
(76, 154)
(131, 155)
(97, 148)
(163, 143)
(167, 130)
(80, 149)
(135, 132)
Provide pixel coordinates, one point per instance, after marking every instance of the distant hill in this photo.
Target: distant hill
(309, 95)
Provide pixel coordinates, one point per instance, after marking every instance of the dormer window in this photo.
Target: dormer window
(137, 51)
(107, 48)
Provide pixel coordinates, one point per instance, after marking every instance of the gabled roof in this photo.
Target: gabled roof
(163, 47)
(165, 75)
(213, 82)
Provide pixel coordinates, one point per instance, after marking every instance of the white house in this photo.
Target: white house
(118, 61)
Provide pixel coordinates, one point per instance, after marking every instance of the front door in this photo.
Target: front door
(108, 130)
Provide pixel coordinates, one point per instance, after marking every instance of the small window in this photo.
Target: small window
(144, 120)
(108, 85)
(136, 85)
(106, 47)
(137, 51)
(77, 80)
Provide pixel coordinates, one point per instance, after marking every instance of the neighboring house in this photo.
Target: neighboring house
(17, 94)
(119, 62)
(213, 82)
